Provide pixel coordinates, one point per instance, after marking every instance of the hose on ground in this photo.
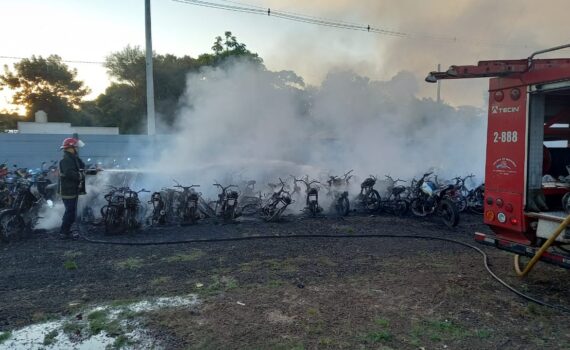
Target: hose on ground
(250, 238)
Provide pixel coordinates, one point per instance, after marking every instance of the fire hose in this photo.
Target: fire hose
(237, 239)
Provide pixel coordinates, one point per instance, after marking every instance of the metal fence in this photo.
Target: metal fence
(30, 150)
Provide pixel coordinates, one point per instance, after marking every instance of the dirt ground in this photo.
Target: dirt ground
(317, 293)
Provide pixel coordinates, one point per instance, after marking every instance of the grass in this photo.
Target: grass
(49, 339)
(438, 330)
(70, 265)
(382, 322)
(483, 333)
(99, 322)
(130, 264)
(72, 328)
(5, 336)
(194, 255)
(122, 341)
(218, 284)
(381, 336)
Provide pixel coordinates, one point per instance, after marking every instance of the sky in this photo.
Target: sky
(439, 31)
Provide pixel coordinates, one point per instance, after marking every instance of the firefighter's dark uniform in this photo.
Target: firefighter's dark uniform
(71, 185)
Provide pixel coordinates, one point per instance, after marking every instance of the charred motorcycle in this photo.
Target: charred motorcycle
(429, 199)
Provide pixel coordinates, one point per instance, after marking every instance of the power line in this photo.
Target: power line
(14, 58)
(293, 17)
(236, 6)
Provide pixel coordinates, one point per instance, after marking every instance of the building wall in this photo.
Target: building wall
(30, 150)
(64, 129)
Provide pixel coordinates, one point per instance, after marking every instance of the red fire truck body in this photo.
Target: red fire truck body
(529, 112)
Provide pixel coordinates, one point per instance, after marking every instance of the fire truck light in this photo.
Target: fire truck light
(489, 215)
(499, 202)
(515, 94)
(499, 96)
(509, 207)
(489, 200)
(514, 221)
(502, 218)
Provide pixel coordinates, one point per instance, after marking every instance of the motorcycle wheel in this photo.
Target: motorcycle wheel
(461, 204)
(343, 206)
(189, 216)
(276, 214)
(400, 207)
(229, 214)
(113, 223)
(417, 208)
(449, 213)
(12, 226)
(372, 201)
(314, 208)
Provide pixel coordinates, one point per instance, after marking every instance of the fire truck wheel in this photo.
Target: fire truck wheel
(449, 213)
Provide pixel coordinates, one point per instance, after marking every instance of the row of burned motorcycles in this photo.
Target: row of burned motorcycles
(184, 205)
(24, 193)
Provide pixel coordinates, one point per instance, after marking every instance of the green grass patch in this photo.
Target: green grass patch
(382, 322)
(130, 264)
(49, 339)
(70, 265)
(218, 284)
(438, 330)
(191, 256)
(379, 336)
(122, 341)
(483, 333)
(72, 328)
(5, 336)
(99, 322)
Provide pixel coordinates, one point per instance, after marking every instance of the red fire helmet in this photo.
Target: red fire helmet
(71, 142)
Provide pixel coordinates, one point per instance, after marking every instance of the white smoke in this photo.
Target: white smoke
(239, 122)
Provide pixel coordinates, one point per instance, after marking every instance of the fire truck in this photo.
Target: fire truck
(527, 157)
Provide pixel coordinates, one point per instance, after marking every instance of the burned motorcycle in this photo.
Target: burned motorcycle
(32, 195)
(429, 199)
(338, 191)
(312, 196)
(226, 204)
(394, 201)
(122, 211)
(272, 208)
(185, 206)
(368, 199)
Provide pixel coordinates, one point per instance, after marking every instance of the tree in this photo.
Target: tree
(45, 84)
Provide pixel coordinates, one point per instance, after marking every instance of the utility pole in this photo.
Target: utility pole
(151, 125)
(438, 85)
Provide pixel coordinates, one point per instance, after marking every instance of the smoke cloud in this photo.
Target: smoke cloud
(239, 122)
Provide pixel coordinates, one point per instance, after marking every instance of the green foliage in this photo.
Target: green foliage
(9, 121)
(45, 84)
(5, 336)
(49, 339)
(70, 265)
(379, 336)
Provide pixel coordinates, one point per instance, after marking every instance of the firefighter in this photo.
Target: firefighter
(71, 184)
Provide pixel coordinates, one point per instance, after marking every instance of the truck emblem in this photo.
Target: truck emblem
(497, 109)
